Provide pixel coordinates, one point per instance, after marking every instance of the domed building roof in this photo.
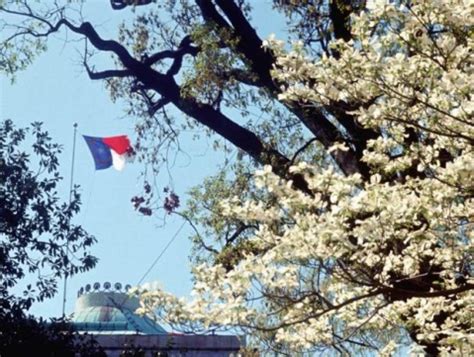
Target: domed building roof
(110, 310)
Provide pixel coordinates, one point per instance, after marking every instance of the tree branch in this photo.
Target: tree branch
(249, 43)
(243, 76)
(205, 114)
(406, 294)
(261, 63)
(154, 107)
(184, 48)
(122, 4)
(339, 12)
(325, 311)
(301, 149)
(106, 74)
(240, 229)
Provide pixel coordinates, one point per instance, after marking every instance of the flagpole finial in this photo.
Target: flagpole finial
(75, 125)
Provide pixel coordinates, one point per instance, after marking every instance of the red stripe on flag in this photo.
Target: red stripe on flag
(120, 144)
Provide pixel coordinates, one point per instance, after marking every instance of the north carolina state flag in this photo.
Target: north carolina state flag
(109, 151)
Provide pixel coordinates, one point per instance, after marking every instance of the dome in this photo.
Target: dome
(111, 312)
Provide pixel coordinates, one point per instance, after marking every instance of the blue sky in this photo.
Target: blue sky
(56, 90)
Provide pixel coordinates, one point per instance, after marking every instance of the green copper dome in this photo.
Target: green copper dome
(111, 311)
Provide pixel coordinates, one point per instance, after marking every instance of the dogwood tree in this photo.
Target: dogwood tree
(361, 261)
(362, 238)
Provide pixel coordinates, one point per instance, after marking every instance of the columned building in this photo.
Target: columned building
(108, 314)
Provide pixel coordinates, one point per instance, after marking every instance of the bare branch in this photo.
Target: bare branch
(184, 48)
(240, 229)
(301, 149)
(113, 73)
(427, 294)
(193, 226)
(122, 4)
(154, 107)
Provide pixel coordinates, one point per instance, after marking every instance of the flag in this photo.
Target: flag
(109, 151)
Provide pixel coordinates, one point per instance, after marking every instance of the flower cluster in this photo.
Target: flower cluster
(359, 256)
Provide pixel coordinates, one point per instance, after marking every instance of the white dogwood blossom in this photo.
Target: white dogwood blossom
(374, 261)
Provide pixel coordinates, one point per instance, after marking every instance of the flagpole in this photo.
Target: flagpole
(71, 183)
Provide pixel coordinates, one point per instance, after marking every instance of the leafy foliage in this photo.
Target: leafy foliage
(28, 336)
(37, 235)
(38, 241)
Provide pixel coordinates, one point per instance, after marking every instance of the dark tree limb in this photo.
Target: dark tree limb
(205, 114)
(339, 12)
(328, 134)
(301, 149)
(211, 15)
(243, 76)
(154, 107)
(261, 64)
(184, 48)
(249, 43)
(239, 230)
(120, 73)
(122, 4)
